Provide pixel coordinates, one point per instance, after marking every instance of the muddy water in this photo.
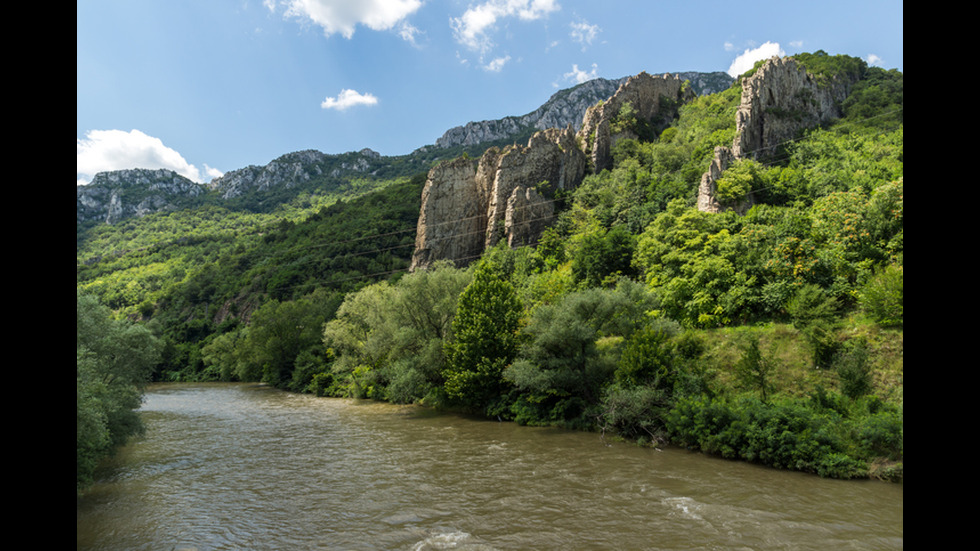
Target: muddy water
(237, 466)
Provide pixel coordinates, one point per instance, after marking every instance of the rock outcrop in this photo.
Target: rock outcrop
(653, 104)
(564, 108)
(287, 170)
(779, 100)
(469, 206)
(119, 194)
(707, 190)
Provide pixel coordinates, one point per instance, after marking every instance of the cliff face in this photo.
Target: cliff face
(293, 169)
(779, 100)
(653, 102)
(565, 108)
(562, 109)
(113, 196)
(468, 205)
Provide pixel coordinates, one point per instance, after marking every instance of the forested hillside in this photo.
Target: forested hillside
(773, 336)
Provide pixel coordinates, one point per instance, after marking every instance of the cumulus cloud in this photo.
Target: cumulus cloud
(579, 76)
(584, 34)
(747, 59)
(496, 64)
(104, 150)
(343, 16)
(347, 99)
(473, 28)
(872, 59)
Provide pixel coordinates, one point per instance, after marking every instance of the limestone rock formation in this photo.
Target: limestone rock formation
(119, 194)
(707, 190)
(566, 107)
(778, 101)
(562, 109)
(468, 206)
(528, 215)
(654, 102)
(284, 171)
(452, 221)
(551, 161)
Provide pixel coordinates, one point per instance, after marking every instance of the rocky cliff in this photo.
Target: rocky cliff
(113, 196)
(469, 205)
(565, 108)
(779, 100)
(653, 103)
(294, 169)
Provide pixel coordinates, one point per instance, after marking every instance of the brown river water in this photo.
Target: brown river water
(248, 467)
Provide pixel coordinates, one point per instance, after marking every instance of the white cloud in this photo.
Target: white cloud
(748, 58)
(872, 59)
(580, 76)
(584, 34)
(473, 28)
(104, 150)
(408, 33)
(497, 64)
(342, 16)
(347, 99)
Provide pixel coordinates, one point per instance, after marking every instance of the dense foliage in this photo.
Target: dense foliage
(773, 336)
(113, 362)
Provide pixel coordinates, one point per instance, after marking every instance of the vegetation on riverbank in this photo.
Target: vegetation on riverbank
(774, 336)
(114, 361)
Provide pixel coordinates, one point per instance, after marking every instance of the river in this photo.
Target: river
(248, 467)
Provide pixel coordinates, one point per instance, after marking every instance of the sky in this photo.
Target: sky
(207, 87)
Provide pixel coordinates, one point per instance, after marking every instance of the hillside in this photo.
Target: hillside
(722, 271)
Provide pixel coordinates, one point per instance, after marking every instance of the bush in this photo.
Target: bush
(787, 434)
(853, 369)
(634, 412)
(882, 297)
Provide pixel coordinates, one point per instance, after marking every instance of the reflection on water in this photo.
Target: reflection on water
(238, 466)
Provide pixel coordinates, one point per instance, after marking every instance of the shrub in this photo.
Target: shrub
(634, 412)
(882, 297)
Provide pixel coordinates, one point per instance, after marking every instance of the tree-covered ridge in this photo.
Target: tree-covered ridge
(774, 336)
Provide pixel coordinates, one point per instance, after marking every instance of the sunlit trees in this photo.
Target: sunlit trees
(485, 340)
(390, 337)
(113, 362)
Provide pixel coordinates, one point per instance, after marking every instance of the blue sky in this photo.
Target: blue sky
(205, 87)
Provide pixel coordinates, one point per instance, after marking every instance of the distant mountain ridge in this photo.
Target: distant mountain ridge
(564, 108)
(116, 195)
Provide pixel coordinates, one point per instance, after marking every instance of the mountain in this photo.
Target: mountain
(120, 194)
(117, 195)
(564, 108)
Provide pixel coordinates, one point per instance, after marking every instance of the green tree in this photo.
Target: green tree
(883, 296)
(755, 370)
(814, 314)
(113, 362)
(739, 180)
(602, 255)
(648, 358)
(485, 340)
(280, 331)
(854, 369)
(562, 368)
